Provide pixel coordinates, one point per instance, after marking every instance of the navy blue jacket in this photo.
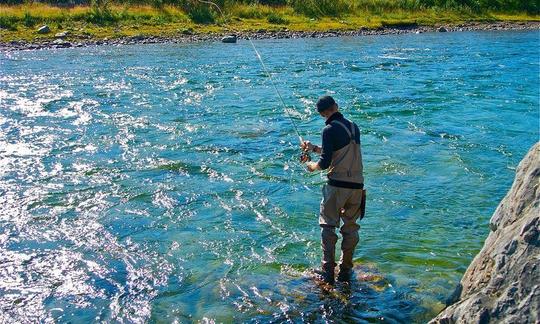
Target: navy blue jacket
(334, 137)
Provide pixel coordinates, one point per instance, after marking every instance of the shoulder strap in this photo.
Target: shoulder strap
(336, 122)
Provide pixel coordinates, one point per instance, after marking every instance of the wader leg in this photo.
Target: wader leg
(328, 244)
(350, 240)
(349, 231)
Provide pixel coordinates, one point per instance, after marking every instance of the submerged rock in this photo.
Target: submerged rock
(502, 284)
(229, 39)
(43, 29)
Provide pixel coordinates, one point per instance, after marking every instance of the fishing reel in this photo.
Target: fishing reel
(304, 156)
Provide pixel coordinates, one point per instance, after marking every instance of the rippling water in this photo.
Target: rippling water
(160, 182)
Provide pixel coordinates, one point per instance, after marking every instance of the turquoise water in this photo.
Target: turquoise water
(160, 183)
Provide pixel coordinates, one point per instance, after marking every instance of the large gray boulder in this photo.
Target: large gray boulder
(502, 284)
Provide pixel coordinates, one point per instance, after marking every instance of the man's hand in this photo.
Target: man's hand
(312, 166)
(307, 146)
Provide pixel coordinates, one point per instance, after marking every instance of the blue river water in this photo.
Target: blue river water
(160, 183)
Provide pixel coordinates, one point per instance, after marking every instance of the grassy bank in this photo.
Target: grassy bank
(20, 22)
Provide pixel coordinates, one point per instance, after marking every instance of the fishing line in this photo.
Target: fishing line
(265, 69)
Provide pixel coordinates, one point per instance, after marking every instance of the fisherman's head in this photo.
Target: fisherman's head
(326, 106)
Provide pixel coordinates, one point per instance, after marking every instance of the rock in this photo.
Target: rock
(61, 43)
(502, 284)
(43, 29)
(61, 35)
(229, 39)
(442, 29)
(187, 31)
(138, 37)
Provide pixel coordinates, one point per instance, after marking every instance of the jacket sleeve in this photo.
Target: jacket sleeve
(327, 149)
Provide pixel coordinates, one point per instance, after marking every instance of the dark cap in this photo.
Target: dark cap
(324, 103)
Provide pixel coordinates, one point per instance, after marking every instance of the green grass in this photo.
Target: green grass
(20, 22)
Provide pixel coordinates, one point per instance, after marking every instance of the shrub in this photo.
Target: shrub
(272, 2)
(249, 11)
(157, 4)
(318, 8)
(8, 23)
(201, 14)
(29, 20)
(198, 12)
(276, 19)
(100, 13)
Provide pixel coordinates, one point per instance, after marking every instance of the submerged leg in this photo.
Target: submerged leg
(349, 231)
(328, 244)
(329, 221)
(348, 245)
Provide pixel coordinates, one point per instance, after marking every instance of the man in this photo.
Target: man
(343, 195)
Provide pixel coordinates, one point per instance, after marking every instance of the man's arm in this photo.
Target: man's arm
(326, 153)
(327, 149)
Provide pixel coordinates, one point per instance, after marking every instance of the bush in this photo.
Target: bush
(198, 12)
(272, 2)
(276, 19)
(318, 8)
(157, 4)
(201, 15)
(100, 13)
(9, 23)
(248, 12)
(29, 20)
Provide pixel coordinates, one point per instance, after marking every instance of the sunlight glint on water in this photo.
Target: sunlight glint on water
(160, 182)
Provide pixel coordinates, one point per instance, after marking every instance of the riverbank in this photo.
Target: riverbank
(74, 39)
(76, 26)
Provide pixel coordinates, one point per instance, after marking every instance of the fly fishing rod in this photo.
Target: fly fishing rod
(304, 157)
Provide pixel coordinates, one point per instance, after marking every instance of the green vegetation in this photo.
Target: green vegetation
(106, 18)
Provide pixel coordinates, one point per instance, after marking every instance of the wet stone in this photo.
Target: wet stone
(229, 39)
(44, 29)
(61, 34)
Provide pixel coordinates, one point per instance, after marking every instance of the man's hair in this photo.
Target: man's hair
(325, 103)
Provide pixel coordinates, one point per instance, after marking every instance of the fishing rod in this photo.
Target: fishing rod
(304, 157)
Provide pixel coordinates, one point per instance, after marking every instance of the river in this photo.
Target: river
(160, 183)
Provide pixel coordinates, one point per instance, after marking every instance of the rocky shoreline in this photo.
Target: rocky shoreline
(67, 40)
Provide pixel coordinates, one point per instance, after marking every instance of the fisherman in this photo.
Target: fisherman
(343, 194)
